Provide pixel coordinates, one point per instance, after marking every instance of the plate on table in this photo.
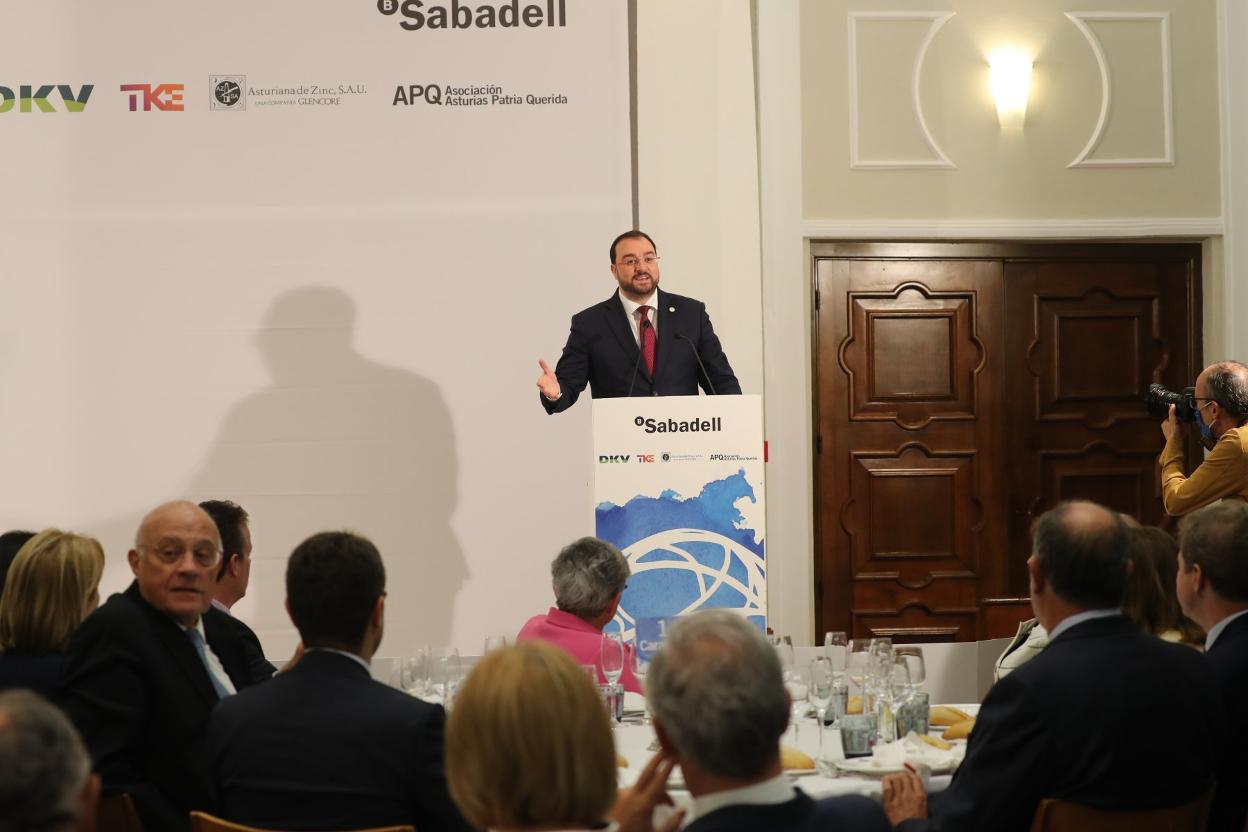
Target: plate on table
(869, 766)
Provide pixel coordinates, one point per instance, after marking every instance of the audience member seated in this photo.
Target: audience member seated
(46, 784)
(720, 708)
(53, 585)
(588, 577)
(529, 747)
(1212, 585)
(143, 672)
(323, 745)
(10, 542)
(1150, 600)
(235, 574)
(1074, 722)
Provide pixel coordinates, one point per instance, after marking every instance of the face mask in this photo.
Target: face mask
(1206, 432)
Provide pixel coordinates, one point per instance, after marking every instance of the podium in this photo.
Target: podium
(679, 488)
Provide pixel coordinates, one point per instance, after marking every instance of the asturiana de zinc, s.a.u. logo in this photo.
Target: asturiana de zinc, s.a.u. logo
(417, 14)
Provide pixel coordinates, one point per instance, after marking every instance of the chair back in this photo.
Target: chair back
(116, 813)
(1062, 816)
(204, 822)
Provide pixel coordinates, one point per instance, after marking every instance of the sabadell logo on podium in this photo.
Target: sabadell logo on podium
(672, 426)
(418, 14)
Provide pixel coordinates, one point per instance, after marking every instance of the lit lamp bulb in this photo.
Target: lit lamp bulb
(1009, 73)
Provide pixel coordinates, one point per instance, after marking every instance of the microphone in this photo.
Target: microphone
(698, 358)
(637, 363)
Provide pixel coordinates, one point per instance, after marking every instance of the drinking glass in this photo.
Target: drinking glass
(493, 643)
(612, 653)
(447, 672)
(796, 683)
(822, 680)
(640, 665)
(836, 648)
(415, 670)
(856, 665)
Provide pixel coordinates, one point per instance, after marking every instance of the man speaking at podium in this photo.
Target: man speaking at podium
(641, 341)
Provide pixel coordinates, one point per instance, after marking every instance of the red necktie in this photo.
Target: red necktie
(647, 339)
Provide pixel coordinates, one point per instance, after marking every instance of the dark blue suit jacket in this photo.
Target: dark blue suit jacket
(602, 352)
(801, 814)
(1078, 723)
(139, 694)
(324, 746)
(1229, 659)
(33, 671)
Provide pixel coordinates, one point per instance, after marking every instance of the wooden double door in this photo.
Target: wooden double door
(961, 390)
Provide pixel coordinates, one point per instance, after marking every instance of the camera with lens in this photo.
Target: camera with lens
(1158, 401)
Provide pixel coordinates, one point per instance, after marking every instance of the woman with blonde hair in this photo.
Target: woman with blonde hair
(529, 747)
(53, 584)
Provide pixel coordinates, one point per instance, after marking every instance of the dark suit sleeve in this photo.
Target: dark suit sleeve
(716, 362)
(572, 369)
(434, 807)
(105, 695)
(862, 814)
(997, 785)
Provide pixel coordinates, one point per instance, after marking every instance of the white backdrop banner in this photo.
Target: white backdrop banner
(680, 490)
(305, 254)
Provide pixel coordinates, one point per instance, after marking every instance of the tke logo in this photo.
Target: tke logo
(645, 457)
(39, 96)
(613, 458)
(166, 97)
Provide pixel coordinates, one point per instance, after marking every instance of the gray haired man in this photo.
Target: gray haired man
(720, 708)
(589, 577)
(46, 782)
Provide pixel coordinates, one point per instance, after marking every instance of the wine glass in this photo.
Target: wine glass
(493, 643)
(612, 653)
(836, 648)
(822, 680)
(796, 684)
(856, 662)
(414, 671)
(640, 665)
(916, 668)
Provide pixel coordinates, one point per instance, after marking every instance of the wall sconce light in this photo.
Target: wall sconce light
(1009, 74)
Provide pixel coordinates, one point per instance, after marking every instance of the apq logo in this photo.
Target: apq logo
(29, 96)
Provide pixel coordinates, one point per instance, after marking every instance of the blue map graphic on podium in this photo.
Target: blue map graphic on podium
(687, 553)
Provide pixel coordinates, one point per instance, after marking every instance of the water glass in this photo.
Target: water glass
(414, 671)
(640, 665)
(858, 735)
(914, 715)
(836, 648)
(820, 692)
(447, 672)
(493, 643)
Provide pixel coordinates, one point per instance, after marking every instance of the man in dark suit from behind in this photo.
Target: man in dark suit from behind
(1076, 722)
(323, 745)
(720, 708)
(1212, 585)
(143, 671)
(235, 573)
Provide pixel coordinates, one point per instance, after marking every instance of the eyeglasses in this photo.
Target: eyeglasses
(172, 551)
(631, 262)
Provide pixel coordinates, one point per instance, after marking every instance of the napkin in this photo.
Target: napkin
(910, 749)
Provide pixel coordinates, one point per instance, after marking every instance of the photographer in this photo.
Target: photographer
(1219, 407)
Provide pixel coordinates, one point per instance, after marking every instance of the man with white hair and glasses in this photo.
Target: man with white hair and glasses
(588, 577)
(143, 672)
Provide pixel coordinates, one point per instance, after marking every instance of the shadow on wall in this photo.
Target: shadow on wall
(341, 442)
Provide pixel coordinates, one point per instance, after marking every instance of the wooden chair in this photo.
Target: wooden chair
(204, 822)
(116, 813)
(1061, 816)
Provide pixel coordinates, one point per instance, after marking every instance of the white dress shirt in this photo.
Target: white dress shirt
(1078, 618)
(767, 793)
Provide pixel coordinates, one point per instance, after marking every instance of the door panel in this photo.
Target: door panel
(964, 389)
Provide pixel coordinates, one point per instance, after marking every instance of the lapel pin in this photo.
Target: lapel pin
(671, 309)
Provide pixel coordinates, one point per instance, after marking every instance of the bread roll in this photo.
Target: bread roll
(620, 760)
(935, 742)
(947, 715)
(794, 760)
(960, 730)
(854, 705)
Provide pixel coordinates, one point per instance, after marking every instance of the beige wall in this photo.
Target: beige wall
(1009, 174)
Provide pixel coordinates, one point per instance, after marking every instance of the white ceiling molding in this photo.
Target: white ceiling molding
(938, 19)
(1081, 20)
(1047, 229)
